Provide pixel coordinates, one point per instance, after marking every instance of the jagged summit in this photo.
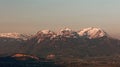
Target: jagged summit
(44, 35)
(92, 32)
(67, 32)
(14, 35)
(65, 29)
(45, 32)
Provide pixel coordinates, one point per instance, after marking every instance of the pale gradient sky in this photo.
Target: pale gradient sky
(28, 16)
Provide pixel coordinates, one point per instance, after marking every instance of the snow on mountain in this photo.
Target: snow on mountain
(66, 32)
(92, 32)
(45, 34)
(14, 35)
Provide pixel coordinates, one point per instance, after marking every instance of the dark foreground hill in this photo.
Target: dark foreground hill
(23, 60)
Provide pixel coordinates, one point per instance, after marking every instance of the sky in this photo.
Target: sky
(29, 16)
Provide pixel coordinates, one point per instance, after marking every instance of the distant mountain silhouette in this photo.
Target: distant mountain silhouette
(88, 42)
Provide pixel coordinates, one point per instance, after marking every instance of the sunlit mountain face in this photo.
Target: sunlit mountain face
(87, 42)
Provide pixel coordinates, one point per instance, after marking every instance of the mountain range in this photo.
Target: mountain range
(87, 42)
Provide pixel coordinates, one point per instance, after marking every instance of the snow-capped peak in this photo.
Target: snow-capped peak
(66, 32)
(45, 32)
(13, 35)
(92, 32)
(65, 29)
